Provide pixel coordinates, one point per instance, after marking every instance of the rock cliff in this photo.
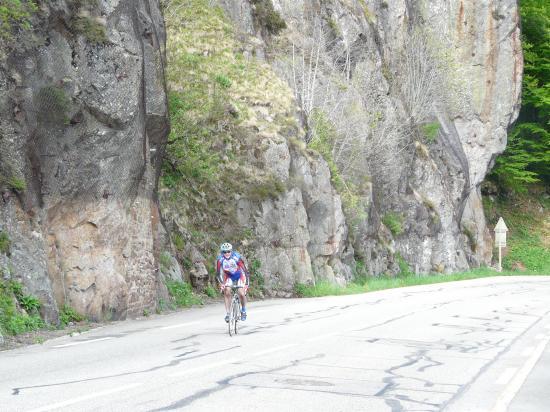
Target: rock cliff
(311, 134)
(423, 93)
(82, 127)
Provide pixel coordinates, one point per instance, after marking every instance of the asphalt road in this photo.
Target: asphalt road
(479, 345)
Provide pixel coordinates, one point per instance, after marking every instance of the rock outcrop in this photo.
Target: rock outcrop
(82, 128)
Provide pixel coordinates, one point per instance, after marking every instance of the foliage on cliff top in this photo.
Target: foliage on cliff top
(223, 104)
(527, 156)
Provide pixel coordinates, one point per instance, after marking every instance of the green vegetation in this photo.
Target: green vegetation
(271, 187)
(4, 243)
(325, 288)
(323, 138)
(182, 294)
(388, 282)
(17, 184)
(210, 291)
(404, 269)
(528, 219)
(52, 104)
(13, 320)
(165, 260)
(430, 131)
(266, 16)
(91, 29)
(214, 96)
(257, 282)
(68, 315)
(394, 222)
(15, 15)
(528, 251)
(526, 159)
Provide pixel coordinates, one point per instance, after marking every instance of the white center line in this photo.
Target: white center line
(275, 349)
(179, 325)
(82, 342)
(84, 398)
(321, 337)
(230, 360)
(205, 367)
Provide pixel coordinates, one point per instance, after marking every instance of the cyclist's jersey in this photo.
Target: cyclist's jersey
(232, 267)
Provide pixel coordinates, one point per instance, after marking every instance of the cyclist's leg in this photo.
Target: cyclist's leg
(227, 297)
(242, 297)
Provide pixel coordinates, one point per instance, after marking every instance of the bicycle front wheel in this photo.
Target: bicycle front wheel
(233, 312)
(236, 312)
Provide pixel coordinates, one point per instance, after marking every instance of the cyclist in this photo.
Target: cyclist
(231, 270)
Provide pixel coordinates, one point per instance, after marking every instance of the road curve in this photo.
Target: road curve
(457, 346)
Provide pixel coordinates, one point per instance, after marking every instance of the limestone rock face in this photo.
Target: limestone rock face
(83, 124)
(384, 73)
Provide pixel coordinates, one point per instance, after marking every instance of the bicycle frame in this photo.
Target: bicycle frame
(234, 311)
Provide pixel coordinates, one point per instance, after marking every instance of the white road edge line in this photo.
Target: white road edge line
(528, 351)
(179, 325)
(86, 397)
(515, 385)
(506, 376)
(83, 342)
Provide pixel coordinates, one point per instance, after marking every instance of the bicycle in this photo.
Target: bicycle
(234, 311)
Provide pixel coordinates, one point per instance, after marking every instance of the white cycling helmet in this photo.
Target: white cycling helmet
(226, 247)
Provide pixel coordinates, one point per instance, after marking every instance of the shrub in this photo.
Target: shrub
(300, 289)
(93, 31)
(17, 184)
(178, 241)
(182, 293)
(68, 315)
(430, 131)
(15, 14)
(30, 303)
(404, 269)
(210, 291)
(257, 281)
(269, 188)
(4, 243)
(223, 81)
(16, 288)
(394, 222)
(165, 260)
(267, 17)
(18, 324)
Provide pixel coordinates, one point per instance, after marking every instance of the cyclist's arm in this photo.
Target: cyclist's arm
(245, 270)
(219, 272)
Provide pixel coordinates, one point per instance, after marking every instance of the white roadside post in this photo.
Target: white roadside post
(500, 240)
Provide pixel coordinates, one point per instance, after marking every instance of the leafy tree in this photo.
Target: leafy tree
(527, 157)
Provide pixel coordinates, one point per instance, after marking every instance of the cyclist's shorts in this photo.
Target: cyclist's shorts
(238, 279)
